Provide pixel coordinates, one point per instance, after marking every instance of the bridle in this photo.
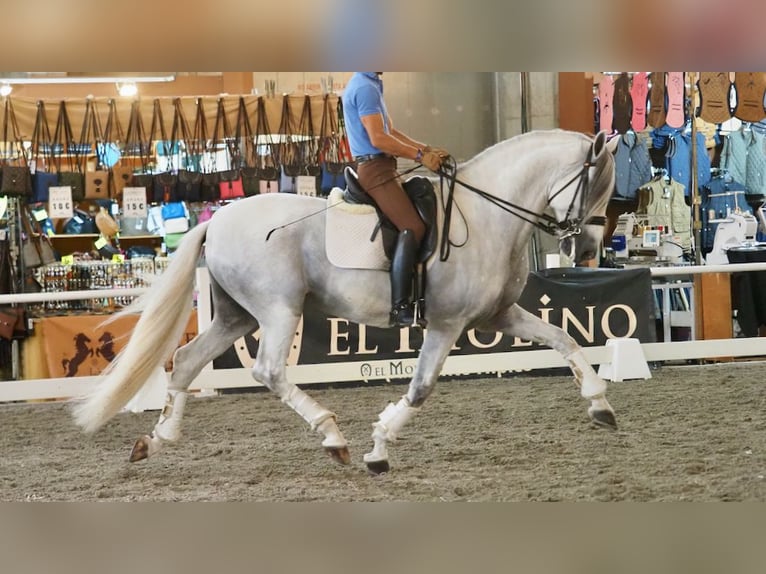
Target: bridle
(568, 227)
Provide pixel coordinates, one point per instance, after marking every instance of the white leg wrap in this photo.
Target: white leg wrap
(169, 426)
(311, 411)
(390, 423)
(393, 418)
(591, 385)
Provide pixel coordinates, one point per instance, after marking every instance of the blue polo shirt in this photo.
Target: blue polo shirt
(363, 96)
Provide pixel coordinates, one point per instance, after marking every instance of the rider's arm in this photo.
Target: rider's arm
(389, 143)
(404, 137)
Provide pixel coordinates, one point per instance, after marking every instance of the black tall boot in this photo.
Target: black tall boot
(402, 268)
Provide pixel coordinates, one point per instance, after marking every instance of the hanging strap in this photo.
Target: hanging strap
(18, 142)
(263, 137)
(245, 130)
(41, 139)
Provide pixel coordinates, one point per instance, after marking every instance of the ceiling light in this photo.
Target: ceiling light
(5, 89)
(127, 89)
(87, 79)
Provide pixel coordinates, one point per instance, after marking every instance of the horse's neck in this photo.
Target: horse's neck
(511, 171)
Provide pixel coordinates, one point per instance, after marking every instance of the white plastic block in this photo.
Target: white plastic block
(628, 361)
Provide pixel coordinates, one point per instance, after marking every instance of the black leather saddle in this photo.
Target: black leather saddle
(420, 191)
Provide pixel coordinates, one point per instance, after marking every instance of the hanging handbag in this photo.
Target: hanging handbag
(13, 323)
(36, 247)
(42, 179)
(64, 144)
(189, 182)
(266, 153)
(120, 176)
(332, 167)
(307, 183)
(8, 320)
(209, 190)
(163, 184)
(248, 168)
(229, 180)
(16, 178)
(289, 151)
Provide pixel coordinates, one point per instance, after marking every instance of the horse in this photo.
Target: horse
(559, 177)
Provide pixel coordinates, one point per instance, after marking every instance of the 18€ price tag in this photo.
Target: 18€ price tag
(134, 202)
(60, 204)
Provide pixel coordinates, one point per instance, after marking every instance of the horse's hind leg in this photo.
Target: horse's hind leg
(230, 322)
(520, 323)
(278, 327)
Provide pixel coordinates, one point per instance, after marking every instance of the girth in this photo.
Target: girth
(420, 191)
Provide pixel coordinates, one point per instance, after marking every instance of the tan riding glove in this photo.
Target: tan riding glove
(440, 151)
(431, 160)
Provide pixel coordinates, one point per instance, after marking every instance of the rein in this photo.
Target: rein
(550, 225)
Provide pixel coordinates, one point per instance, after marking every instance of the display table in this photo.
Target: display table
(748, 290)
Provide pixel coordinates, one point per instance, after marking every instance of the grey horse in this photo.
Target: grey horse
(254, 282)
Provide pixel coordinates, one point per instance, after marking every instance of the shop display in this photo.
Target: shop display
(86, 275)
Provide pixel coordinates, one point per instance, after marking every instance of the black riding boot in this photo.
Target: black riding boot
(402, 268)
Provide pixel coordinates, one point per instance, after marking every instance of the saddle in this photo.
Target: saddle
(420, 191)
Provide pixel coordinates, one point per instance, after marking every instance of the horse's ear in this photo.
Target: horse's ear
(609, 142)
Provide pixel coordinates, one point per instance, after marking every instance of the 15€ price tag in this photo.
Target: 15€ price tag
(60, 204)
(134, 202)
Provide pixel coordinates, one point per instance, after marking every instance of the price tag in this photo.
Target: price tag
(67, 260)
(100, 242)
(60, 203)
(134, 202)
(118, 258)
(306, 185)
(40, 214)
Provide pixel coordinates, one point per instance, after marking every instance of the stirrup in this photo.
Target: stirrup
(402, 315)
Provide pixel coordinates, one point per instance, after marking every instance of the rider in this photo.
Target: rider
(375, 144)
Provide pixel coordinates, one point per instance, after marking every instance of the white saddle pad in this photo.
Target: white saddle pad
(348, 231)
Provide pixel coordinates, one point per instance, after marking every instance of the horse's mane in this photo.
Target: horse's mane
(523, 139)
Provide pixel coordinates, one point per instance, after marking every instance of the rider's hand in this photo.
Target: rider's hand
(441, 152)
(431, 160)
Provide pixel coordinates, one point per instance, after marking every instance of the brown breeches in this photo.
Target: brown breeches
(379, 178)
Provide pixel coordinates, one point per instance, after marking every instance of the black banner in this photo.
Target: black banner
(592, 305)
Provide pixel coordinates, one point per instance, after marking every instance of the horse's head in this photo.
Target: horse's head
(581, 204)
(81, 338)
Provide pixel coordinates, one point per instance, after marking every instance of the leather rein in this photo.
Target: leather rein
(569, 227)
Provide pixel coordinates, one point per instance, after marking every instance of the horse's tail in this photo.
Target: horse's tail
(165, 310)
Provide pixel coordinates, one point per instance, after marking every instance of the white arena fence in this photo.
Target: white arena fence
(494, 364)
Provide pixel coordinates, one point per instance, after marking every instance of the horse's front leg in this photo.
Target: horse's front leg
(391, 421)
(520, 323)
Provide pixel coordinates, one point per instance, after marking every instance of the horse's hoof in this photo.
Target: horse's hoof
(140, 449)
(604, 419)
(339, 454)
(378, 467)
